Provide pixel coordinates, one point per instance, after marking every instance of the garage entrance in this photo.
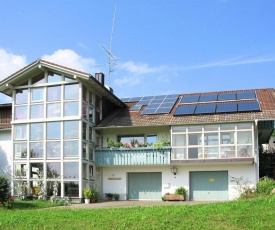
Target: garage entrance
(209, 185)
(144, 186)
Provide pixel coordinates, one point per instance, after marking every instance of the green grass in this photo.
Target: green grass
(257, 213)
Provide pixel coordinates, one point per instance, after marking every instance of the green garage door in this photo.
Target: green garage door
(144, 186)
(209, 185)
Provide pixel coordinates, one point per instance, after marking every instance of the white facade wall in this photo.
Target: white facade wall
(115, 178)
(5, 153)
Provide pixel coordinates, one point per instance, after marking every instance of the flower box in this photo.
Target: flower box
(173, 197)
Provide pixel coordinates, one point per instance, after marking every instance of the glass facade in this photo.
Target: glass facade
(212, 141)
(52, 139)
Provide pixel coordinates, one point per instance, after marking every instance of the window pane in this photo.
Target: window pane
(211, 128)
(20, 150)
(36, 131)
(53, 170)
(71, 148)
(21, 113)
(84, 92)
(21, 96)
(194, 139)
(37, 111)
(244, 126)
(179, 140)
(20, 132)
(244, 151)
(53, 130)
(194, 128)
(151, 138)
(71, 189)
(84, 171)
(20, 170)
(193, 153)
(53, 149)
(211, 139)
(91, 113)
(71, 91)
(36, 169)
(227, 138)
(211, 152)
(36, 150)
(71, 108)
(178, 129)
(91, 155)
(50, 188)
(84, 109)
(228, 152)
(244, 137)
(54, 93)
(90, 133)
(54, 110)
(54, 77)
(227, 127)
(179, 154)
(71, 129)
(84, 131)
(84, 150)
(37, 94)
(68, 79)
(71, 170)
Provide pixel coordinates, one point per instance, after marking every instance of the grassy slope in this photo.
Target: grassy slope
(256, 213)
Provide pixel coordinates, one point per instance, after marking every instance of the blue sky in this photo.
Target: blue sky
(161, 46)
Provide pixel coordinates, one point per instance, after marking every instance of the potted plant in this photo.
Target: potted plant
(109, 196)
(180, 194)
(87, 195)
(116, 196)
(95, 195)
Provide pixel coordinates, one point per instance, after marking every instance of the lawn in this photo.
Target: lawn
(257, 213)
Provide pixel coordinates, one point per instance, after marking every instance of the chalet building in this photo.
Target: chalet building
(66, 125)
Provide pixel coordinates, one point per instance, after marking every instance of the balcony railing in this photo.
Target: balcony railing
(132, 156)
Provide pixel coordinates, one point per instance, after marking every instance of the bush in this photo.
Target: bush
(181, 191)
(4, 189)
(265, 185)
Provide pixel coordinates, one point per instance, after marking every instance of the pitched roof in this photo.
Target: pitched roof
(125, 118)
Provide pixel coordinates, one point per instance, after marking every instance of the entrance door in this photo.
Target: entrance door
(209, 185)
(144, 186)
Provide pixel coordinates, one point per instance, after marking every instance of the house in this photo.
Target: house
(69, 126)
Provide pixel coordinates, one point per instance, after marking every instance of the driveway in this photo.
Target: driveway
(129, 204)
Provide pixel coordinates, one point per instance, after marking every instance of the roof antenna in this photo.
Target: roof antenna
(111, 58)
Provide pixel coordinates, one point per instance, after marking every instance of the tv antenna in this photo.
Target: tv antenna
(112, 61)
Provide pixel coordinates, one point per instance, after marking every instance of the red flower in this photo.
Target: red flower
(1, 202)
(10, 199)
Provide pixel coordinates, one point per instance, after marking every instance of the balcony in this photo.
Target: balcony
(132, 156)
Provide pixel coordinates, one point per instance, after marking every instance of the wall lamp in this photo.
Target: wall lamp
(174, 170)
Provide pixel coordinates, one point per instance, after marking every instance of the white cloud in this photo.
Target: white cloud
(139, 68)
(71, 59)
(127, 81)
(10, 63)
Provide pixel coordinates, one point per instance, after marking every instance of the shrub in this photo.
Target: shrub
(265, 185)
(87, 193)
(4, 189)
(181, 191)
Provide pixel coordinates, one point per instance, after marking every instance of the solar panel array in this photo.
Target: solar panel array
(218, 103)
(154, 104)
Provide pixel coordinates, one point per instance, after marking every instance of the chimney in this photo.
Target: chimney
(100, 77)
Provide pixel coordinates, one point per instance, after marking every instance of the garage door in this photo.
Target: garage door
(144, 186)
(209, 185)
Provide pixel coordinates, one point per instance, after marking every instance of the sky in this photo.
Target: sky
(160, 46)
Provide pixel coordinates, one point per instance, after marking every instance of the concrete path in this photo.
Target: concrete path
(129, 204)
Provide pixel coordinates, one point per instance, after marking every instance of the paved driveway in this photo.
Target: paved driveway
(128, 204)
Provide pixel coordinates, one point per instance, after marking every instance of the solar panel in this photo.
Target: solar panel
(156, 101)
(249, 106)
(153, 106)
(160, 97)
(148, 111)
(204, 109)
(125, 99)
(163, 110)
(134, 99)
(148, 98)
(189, 99)
(175, 96)
(246, 95)
(167, 105)
(226, 108)
(208, 97)
(143, 102)
(135, 108)
(185, 110)
(170, 100)
(227, 96)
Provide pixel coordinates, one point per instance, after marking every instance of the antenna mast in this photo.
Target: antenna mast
(111, 57)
